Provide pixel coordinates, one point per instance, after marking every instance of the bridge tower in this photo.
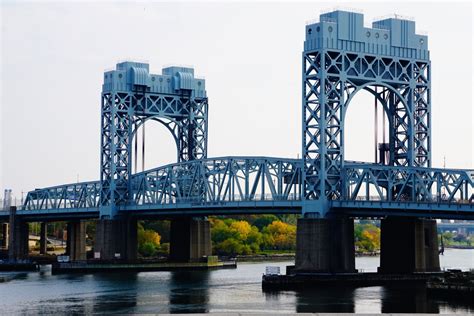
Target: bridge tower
(130, 97)
(342, 57)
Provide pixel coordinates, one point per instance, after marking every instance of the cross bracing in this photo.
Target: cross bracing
(341, 58)
(215, 182)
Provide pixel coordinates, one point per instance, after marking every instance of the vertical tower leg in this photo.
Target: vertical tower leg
(116, 239)
(76, 240)
(43, 238)
(190, 239)
(409, 245)
(325, 245)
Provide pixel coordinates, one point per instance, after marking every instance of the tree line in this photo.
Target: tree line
(247, 235)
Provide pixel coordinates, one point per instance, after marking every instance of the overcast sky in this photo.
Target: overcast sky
(53, 56)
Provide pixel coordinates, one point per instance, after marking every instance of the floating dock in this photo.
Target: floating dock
(453, 284)
(308, 280)
(92, 267)
(18, 266)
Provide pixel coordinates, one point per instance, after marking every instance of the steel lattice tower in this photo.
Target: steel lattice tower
(342, 57)
(131, 96)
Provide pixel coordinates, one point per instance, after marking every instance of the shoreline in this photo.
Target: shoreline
(459, 247)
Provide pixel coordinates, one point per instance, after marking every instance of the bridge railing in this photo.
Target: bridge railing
(224, 179)
(371, 182)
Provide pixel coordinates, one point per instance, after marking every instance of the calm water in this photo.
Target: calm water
(237, 290)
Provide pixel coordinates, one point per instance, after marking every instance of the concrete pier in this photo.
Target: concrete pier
(325, 245)
(5, 234)
(76, 240)
(116, 239)
(190, 239)
(408, 245)
(43, 239)
(19, 234)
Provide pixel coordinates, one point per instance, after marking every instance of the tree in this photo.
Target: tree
(367, 237)
(282, 234)
(263, 221)
(148, 241)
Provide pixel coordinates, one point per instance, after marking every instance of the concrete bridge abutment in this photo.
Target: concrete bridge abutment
(408, 245)
(325, 245)
(190, 239)
(76, 240)
(116, 239)
(18, 246)
(5, 235)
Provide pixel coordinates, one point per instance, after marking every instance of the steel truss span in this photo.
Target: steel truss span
(205, 182)
(341, 57)
(263, 182)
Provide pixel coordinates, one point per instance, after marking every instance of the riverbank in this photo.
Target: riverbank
(459, 247)
(286, 256)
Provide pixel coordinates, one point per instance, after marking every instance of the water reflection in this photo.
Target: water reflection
(189, 292)
(233, 290)
(327, 299)
(407, 299)
(120, 294)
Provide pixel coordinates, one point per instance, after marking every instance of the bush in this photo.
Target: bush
(147, 249)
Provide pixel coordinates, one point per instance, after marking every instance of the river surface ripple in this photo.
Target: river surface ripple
(229, 290)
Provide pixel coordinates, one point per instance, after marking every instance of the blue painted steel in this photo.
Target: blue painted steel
(340, 58)
(130, 96)
(203, 182)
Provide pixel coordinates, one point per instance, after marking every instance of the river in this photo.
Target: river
(229, 290)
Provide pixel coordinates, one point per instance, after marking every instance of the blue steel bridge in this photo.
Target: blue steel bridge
(341, 57)
(239, 185)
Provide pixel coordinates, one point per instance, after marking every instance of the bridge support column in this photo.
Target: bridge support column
(19, 237)
(5, 235)
(408, 245)
(325, 245)
(76, 240)
(43, 242)
(116, 239)
(190, 239)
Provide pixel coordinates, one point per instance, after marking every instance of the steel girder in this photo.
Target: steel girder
(226, 179)
(330, 80)
(371, 182)
(68, 196)
(122, 113)
(201, 182)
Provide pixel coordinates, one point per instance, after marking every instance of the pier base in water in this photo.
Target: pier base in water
(325, 245)
(190, 239)
(116, 239)
(408, 245)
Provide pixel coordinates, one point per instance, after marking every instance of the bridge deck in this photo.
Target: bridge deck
(259, 185)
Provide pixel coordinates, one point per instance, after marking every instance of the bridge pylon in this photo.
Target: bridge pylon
(342, 57)
(131, 95)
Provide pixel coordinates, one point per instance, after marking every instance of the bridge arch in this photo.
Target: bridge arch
(388, 97)
(141, 147)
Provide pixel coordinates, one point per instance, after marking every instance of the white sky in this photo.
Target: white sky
(53, 56)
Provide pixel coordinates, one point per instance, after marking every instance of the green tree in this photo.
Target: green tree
(148, 241)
